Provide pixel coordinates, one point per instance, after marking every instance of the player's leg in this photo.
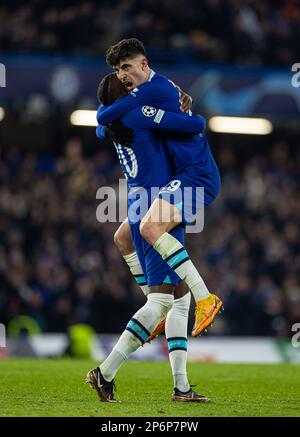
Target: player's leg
(176, 334)
(159, 272)
(123, 240)
(155, 228)
(136, 332)
(173, 252)
(129, 242)
(139, 328)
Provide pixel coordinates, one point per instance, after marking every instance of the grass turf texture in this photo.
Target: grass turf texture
(56, 388)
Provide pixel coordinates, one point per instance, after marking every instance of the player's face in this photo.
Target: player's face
(132, 72)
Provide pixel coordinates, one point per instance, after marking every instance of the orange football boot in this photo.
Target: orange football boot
(205, 312)
(157, 331)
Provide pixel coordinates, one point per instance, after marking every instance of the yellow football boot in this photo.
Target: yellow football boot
(205, 312)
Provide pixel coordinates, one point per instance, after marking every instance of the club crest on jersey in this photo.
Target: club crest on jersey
(148, 111)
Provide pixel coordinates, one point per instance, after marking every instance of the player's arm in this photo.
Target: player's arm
(171, 121)
(116, 131)
(147, 94)
(100, 129)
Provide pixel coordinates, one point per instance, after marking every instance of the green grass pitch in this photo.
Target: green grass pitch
(56, 388)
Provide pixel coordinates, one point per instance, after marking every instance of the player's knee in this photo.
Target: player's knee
(117, 239)
(166, 307)
(123, 243)
(144, 229)
(163, 302)
(147, 231)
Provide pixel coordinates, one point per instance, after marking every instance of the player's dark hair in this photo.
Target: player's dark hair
(110, 89)
(126, 48)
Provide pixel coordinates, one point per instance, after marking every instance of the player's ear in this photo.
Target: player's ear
(144, 63)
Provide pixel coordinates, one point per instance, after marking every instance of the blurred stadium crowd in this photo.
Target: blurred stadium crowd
(60, 266)
(248, 32)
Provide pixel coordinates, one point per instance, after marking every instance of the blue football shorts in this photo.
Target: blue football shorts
(192, 189)
(156, 270)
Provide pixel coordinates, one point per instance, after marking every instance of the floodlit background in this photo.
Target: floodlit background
(61, 277)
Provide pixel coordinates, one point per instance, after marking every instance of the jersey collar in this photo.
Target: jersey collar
(151, 75)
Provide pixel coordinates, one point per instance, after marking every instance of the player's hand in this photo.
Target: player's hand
(118, 132)
(185, 99)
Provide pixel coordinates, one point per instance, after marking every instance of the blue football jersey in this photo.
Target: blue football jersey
(146, 163)
(160, 92)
